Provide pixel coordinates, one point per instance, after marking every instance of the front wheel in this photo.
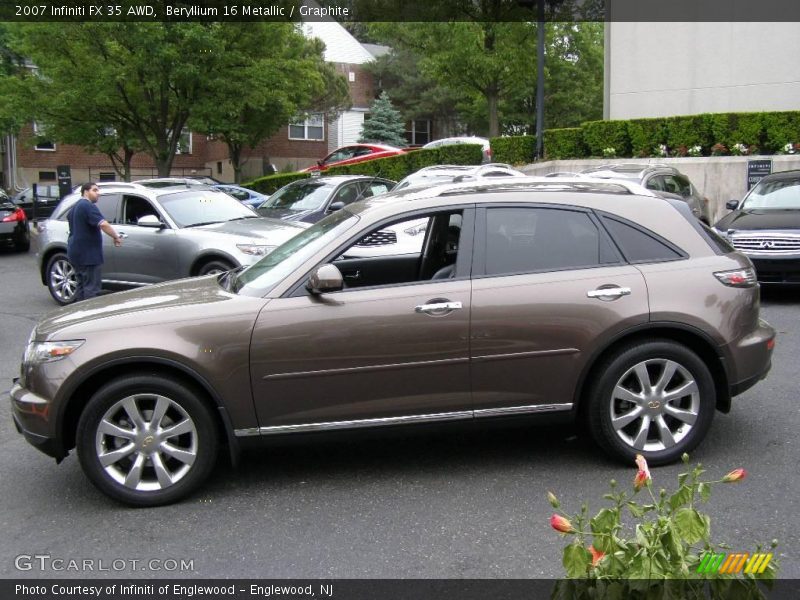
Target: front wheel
(214, 267)
(655, 398)
(146, 440)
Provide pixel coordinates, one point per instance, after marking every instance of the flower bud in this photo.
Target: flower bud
(597, 556)
(640, 480)
(551, 498)
(561, 524)
(685, 458)
(735, 475)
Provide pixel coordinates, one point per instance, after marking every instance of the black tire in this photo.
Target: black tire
(23, 246)
(215, 266)
(61, 279)
(660, 431)
(141, 468)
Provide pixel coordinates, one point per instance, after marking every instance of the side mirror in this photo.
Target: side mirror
(328, 278)
(149, 221)
(338, 205)
(732, 204)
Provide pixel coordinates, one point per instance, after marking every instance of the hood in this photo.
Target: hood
(169, 302)
(256, 228)
(756, 219)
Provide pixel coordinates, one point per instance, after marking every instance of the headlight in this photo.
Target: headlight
(42, 352)
(254, 250)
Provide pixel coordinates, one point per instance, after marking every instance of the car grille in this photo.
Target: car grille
(379, 238)
(767, 243)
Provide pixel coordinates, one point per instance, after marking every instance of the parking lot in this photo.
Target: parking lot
(452, 504)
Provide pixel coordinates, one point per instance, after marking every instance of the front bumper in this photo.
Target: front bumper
(32, 419)
(773, 269)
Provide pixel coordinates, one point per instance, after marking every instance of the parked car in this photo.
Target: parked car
(482, 142)
(309, 200)
(47, 198)
(354, 153)
(662, 179)
(162, 182)
(168, 233)
(454, 173)
(242, 194)
(529, 298)
(13, 224)
(765, 226)
(407, 238)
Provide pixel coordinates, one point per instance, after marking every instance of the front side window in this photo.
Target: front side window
(524, 240)
(134, 208)
(310, 128)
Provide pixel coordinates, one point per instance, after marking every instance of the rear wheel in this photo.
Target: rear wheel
(146, 440)
(655, 398)
(62, 281)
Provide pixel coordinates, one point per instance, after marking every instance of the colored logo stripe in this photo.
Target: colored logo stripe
(733, 563)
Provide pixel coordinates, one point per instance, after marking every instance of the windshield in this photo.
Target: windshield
(774, 195)
(302, 195)
(200, 207)
(412, 180)
(260, 278)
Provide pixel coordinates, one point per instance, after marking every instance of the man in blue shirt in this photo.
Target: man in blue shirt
(85, 242)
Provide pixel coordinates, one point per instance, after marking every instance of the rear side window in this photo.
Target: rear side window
(638, 245)
(523, 240)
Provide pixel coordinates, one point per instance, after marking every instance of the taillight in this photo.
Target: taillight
(17, 215)
(741, 278)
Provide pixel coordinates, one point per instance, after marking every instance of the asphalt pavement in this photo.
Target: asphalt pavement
(441, 504)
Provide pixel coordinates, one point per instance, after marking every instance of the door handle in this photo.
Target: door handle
(122, 234)
(353, 275)
(438, 308)
(610, 292)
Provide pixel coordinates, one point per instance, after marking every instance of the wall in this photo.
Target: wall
(666, 69)
(719, 178)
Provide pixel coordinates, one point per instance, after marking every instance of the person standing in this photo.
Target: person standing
(85, 242)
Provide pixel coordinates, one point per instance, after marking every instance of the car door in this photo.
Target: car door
(549, 287)
(148, 254)
(369, 354)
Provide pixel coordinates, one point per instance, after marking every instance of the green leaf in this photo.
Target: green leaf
(635, 509)
(682, 497)
(690, 525)
(682, 478)
(604, 521)
(705, 491)
(576, 560)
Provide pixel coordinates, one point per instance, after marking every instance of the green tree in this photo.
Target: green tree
(385, 125)
(144, 81)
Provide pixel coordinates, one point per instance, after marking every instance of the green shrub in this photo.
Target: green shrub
(738, 128)
(514, 150)
(780, 128)
(601, 136)
(269, 184)
(459, 154)
(564, 143)
(646, 136)
(688, 131)
(392, 167)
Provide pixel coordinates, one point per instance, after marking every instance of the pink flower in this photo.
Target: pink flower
(735, 475)
(643, 475)
(597, 556)
(561, 524)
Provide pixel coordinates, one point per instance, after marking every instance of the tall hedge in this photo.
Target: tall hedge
(564, 143)
(737, 128)
(514, 150)
(780, 128)
(646, 135)
(689, 131)
(601, 135)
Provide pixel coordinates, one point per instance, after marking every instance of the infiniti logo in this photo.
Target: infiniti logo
(766, 244)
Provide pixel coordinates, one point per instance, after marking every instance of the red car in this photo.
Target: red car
(354, 153)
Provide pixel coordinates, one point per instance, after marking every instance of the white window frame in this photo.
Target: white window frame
(305, 125)
(185, 135)
(413, 131)
(36, 133)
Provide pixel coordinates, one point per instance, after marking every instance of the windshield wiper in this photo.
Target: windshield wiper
(245, 217)
(203, 223)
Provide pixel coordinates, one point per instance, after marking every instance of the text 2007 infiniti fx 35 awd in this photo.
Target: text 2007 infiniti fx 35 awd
(591, 300)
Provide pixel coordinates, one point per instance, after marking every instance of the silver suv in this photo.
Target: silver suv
(168, 233)
(456, 173)
(662, 179)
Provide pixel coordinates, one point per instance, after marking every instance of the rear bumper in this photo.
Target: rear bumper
(752, 357)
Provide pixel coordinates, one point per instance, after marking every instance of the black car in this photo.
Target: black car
(765, 226)
(309, 200)
(47, 198)
(13, 224)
